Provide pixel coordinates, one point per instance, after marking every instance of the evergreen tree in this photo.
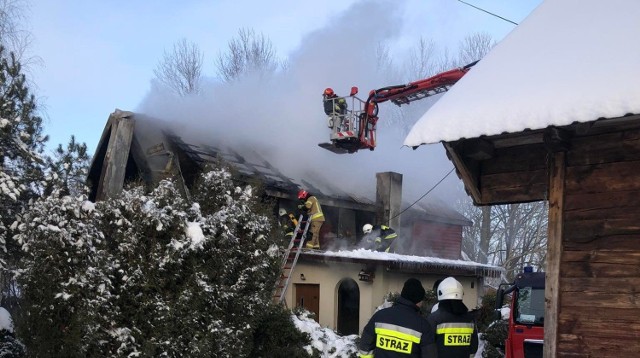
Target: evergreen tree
(68, 168)
(151, 274)
(21, 165)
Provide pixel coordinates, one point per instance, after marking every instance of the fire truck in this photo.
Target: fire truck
(525, 336)
(355, 128)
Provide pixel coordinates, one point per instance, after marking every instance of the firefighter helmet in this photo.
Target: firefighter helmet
(302, 194)
(328, 92)
(450, 289)
(282, 212)
(366, 229)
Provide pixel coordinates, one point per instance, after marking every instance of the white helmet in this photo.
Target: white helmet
(450, 289)
(282, 212)
(367, 228)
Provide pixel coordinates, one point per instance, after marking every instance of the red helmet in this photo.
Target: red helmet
(302, 194)
(328, 92)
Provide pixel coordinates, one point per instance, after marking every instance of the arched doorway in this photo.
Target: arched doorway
(348, 307)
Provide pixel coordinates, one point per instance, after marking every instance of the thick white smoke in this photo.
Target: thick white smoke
(280, 115)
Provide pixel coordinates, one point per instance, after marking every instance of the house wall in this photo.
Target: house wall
(435, 239)
(329, 275)
(599, 274)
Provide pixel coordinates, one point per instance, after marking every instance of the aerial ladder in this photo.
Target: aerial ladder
(290, 258)
(355, 128)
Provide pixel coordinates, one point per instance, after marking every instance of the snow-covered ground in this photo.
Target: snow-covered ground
(325, 340)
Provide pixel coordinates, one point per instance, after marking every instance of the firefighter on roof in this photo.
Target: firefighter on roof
(379, 237)
(398, 331)
(455, 334)
(311, 205)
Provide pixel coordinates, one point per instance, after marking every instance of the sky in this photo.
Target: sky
(575, 54)
(99, 56)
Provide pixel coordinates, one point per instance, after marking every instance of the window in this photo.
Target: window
(530, 306)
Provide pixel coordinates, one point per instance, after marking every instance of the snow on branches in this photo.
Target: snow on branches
(147, 274)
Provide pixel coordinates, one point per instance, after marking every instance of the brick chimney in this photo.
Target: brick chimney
(388, 198)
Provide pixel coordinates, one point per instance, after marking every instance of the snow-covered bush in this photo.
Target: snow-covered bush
(149, 274)
(60, 275)
(324, 341)
(276, 336)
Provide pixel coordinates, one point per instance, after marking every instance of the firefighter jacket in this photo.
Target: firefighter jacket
(314, 209)
(335, 105)
(288, 224)
(383, 241)
(396, 332)
(455, 330)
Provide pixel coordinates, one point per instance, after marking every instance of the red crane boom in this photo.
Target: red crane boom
(354, 129)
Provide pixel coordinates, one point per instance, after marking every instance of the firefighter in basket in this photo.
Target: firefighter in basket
(336, 108)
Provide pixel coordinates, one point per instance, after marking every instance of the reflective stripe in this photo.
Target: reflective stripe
(313, 205)
(456, 327)
(363, 354)
(455, 334)
(391, 236)
(398, 331)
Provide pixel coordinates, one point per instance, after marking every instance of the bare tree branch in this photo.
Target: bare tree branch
(181, 69)
(474, 47)
(248, 53)
(13, 35)
(422, 60)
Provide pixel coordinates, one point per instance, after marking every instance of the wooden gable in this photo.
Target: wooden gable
(590, 174)
(513, 167)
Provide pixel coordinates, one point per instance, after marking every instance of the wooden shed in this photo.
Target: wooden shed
(558, 120)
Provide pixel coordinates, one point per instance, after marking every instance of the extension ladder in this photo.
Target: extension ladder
(290, 258)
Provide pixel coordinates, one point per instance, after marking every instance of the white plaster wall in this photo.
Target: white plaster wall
(329, 275)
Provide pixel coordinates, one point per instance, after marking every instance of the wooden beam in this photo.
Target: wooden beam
(557, 140)
(554, 252)
(476, 148)
(115, 161)
(468, 175)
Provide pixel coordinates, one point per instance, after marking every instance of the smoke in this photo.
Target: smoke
(280, 116)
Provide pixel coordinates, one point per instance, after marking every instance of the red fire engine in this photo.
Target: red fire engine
(526, 318)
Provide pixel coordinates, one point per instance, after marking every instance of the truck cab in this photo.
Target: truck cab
(526, 318)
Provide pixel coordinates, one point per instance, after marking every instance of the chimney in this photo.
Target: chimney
(388, 198)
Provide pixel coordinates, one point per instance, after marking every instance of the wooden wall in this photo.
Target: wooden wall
(599, 273)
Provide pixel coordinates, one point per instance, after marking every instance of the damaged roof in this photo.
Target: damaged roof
(251, 165)
(157, 153)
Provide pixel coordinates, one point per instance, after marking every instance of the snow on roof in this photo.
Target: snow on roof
(568, 61)
(404, 260)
